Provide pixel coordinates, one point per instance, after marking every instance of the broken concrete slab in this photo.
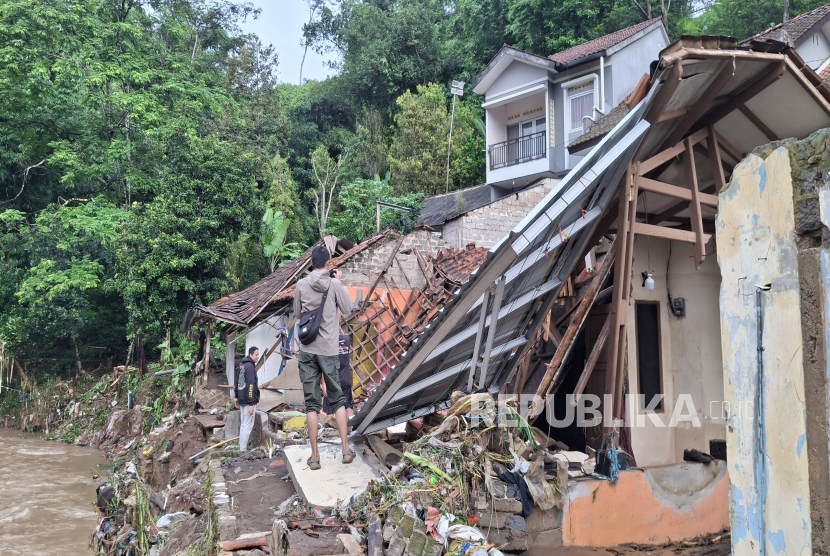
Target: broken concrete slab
(334, 483)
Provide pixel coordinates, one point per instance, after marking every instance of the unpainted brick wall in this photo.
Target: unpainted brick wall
(363, 269)
(487, 225)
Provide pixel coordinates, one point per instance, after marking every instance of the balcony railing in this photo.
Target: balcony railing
(516, 151)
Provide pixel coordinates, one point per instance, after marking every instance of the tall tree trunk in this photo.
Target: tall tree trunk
(302, 62)
(786, 11)
(77, 352)
(664, 15)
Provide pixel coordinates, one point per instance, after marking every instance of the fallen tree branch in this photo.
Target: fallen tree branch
(25, 179)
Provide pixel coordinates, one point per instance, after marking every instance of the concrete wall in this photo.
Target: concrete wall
(363, 269)
(653, 506)
(487, 225)
(691, 361)
(769, 493)
(814, 50)
(633, 60)
(517, 74)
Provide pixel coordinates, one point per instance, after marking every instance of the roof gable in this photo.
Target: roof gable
(602, 43)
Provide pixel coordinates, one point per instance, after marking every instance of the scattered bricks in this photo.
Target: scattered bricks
(499, 520)
(504, 490)
(433, 547)
(351, 545)
(395, 515)
(478, 500)
(396, 547)
(508, 540)
(545, 540)
(390, 531)
(417, 542)
(507, 505)
(227, 527)
(406, 526)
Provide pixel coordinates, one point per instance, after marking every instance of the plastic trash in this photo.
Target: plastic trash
(167, 519)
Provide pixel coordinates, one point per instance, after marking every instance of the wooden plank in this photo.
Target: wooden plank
(619, 305)
(374, 539)
(553, 374)
(716, 162)
(592, 360)
(230, 546)
(666, 233)
(756, 121)
(747, 92)
(696, 215)
(672, 115)
(702, 104)
(676, 209)
(675, 191)
(666, 155)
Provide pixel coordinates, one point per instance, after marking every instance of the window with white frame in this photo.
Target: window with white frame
(581, 104)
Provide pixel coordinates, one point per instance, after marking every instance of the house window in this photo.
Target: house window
(648, 351)
(581, 105)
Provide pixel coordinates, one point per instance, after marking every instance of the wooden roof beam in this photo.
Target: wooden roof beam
(756, 121)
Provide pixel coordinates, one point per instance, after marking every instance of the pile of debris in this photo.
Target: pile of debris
(465, 485)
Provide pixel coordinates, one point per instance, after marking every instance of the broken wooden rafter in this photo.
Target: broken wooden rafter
(554, 370)
(696, 214)
(669, 190)
(703, 103)
(596, 350)
(756, 121)
(716, 161)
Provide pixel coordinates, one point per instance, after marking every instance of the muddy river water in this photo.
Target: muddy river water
(46, 496)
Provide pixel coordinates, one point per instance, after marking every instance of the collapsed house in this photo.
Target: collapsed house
(398, 282)
(609, 287)
(652, 184)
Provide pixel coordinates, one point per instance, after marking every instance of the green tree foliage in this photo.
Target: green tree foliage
(744, 19)
(418, 154)
(176, 245)
(357, 217)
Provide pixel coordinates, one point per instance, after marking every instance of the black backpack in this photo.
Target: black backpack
(308, 326)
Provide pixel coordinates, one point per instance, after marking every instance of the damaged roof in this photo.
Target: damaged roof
(699, 84)
(439, 209)
(458, 264)
(794, 31)
(257, 302)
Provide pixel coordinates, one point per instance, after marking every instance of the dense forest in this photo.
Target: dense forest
(152, 158)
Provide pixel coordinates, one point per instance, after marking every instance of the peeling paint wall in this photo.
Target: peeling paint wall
(651, 506)
(770, 494)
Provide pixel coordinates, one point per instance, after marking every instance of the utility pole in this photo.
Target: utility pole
(457, 90)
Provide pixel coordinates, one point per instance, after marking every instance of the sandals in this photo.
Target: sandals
(349, 456)
(313, 463)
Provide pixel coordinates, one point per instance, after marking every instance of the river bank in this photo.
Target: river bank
(48, 494)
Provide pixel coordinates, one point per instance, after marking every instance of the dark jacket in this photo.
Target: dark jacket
(247, 384)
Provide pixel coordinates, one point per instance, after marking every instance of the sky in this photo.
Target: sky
(281, 24)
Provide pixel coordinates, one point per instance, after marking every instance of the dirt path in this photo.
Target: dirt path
(254, 501)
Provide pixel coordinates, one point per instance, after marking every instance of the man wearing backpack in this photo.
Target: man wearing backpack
(318, 357)
(247, 395)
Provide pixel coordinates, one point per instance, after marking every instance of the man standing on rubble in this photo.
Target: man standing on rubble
(247, 395)
(319, 358)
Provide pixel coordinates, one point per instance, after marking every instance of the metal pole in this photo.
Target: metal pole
(377, 206)
(482, 319)
(449, 145)
(491, 332)
(761, 484)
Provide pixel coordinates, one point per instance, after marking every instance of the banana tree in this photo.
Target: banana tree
(274, 228)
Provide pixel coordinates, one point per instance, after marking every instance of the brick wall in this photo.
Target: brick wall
(363, 269)
(487, 225)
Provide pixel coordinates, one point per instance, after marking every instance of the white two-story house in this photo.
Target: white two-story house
(535, 106)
